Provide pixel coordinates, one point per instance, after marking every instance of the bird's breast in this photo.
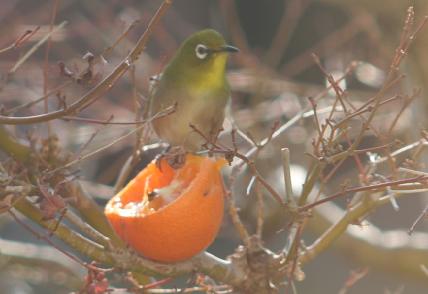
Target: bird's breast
(199, 107)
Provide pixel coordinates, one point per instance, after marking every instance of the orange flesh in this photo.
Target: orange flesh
(134, 198)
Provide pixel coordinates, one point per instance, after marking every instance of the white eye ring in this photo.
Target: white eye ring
(201, 51)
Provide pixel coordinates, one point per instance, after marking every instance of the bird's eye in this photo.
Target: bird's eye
(201, 51)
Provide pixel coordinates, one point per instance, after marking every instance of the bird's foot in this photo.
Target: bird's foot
(175, 156)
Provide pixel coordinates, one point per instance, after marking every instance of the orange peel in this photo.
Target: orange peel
(183, 217)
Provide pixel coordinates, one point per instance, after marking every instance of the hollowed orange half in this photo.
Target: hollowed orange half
(184, 212)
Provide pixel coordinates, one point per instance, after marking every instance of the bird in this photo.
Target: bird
(194, 84)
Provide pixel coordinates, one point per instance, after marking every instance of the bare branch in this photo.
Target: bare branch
(103, 86)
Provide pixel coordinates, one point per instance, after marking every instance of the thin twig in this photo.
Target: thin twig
(250, 153)
(260, 209)
(35, 47)
(423, 214)
(353, 278)
(45, 238)
(233, 210)
(46, 61)
(22, 39)
(83, 157)
(289, 197)
(35, 101)
(124, 173)
(91, 138)
(240, 228)
(103, 122)
(222, 150)
(104, 85)
(363, 188)
(121, 37)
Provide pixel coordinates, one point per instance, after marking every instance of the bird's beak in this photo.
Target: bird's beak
(228, 49)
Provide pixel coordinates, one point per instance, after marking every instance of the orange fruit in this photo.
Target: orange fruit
(170, 215)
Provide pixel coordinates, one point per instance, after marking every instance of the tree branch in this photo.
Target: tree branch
(103, 86)
(393, 251)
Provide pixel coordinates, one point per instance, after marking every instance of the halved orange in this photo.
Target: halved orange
(170, 215)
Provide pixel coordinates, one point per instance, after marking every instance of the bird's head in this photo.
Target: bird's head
(203, 54)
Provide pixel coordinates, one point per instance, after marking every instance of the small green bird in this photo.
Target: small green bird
(194, 82)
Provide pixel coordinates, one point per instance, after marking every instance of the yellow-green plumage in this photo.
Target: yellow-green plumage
(197, 87)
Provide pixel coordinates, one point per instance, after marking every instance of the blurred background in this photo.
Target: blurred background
(271, 78)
